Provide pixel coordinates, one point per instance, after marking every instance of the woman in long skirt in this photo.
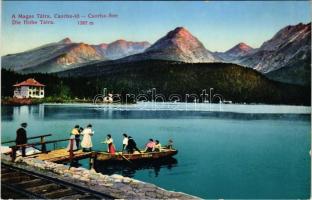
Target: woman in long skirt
(72, 138)
(110, 145)
(86, 142)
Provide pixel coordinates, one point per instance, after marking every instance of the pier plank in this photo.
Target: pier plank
(62, 155)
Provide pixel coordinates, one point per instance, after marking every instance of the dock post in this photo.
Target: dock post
(71, 152)
(92, 160)
(43, 145)
(13, 154)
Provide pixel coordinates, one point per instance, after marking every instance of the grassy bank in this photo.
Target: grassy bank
(30, 101)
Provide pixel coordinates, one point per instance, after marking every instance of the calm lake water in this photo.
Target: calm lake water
(234, 152)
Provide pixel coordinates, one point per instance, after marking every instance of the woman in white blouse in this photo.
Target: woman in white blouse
(86, 142)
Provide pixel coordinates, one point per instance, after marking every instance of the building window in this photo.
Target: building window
(41, 93)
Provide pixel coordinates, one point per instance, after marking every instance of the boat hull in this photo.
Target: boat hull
(148, 156)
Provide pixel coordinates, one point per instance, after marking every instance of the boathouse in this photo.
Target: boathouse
(29, 89)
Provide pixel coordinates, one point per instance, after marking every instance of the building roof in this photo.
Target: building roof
(29, 82)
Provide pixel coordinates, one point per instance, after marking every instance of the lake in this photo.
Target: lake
(225, 151)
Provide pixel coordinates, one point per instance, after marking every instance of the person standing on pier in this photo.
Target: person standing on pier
(72, 139)
(21, 137)
(110, 144)
(76, 133)
(86, 142)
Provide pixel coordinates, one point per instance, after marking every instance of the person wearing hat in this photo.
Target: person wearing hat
(76, 133)
(86, 142)
(21, 137)
(132, 145)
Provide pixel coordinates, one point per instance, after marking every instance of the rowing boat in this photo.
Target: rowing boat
(144, 156)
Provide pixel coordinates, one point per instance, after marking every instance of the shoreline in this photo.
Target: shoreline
(191, 107)
(32, 101)
(115, 185)
(10, 101)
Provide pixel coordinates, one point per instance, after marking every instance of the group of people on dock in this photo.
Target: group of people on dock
(130, 146)
(86, 142)
(128, 143)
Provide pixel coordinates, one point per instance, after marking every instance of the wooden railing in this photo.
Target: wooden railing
(30, 138)
(41, 143)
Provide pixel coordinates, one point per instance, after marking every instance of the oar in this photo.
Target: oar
(127, 160)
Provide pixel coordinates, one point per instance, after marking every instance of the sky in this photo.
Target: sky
(218, 25)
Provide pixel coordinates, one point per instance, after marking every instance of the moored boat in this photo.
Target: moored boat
(144, 156)
(29, 151)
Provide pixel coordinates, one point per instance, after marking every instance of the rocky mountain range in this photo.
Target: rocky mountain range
(65, 55)
(235, 53)
(177, 45)
(285, 57)
(289, 44)
(53, 57)
(121, 48)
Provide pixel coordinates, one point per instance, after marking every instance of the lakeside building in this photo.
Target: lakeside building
(29, 89)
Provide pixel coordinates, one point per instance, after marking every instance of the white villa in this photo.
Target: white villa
(29, 89)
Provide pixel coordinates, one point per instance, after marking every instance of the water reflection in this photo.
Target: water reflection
(7, 113)
(62, 112)
(129, 170)
(228, 155)
(52, 112)
(22, 113)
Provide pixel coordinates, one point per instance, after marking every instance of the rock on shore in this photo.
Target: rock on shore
(115, 185)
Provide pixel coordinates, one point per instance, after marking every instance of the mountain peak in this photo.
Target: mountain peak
(66, 40)
(243, 45)
(179, 45)
(240, 47)
(179, 32)
(180, 29)
(238, 50)
(103, 45)
(120, 40)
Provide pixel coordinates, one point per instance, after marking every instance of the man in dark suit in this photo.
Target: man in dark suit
(21, 137)
(132, 145)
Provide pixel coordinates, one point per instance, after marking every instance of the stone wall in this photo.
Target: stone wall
(115, 185)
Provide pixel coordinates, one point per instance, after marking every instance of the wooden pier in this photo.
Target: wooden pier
(62, 155)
